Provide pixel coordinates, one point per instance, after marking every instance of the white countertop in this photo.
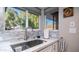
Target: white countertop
(5, 46)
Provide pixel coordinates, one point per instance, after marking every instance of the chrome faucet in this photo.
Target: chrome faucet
(28, 34)
(25, 34)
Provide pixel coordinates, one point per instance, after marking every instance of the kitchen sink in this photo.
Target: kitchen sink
(25, 45)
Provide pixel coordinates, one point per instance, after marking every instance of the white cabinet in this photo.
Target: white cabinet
(54, 47)
(51, 48)
(46, 49)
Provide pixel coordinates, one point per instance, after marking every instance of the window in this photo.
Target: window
(14, 19)
(49, 23)
(52, 22)
(33, 21)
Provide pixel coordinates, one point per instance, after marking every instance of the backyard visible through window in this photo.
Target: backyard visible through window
(14, 19)
(33, 21)
(51, 24)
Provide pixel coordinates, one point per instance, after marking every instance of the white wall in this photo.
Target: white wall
(72, 39)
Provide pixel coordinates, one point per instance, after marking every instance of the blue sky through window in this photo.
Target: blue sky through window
(50, 21)
(16, 10)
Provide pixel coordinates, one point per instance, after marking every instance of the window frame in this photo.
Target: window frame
(26, 24)
(53, 24)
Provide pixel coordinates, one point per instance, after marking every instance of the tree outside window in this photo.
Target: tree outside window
(14, 19)
(33, 21)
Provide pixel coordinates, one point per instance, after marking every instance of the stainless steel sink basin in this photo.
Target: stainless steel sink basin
(25, 45)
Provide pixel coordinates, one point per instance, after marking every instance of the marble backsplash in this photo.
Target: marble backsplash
(10, 35)
(52, 33)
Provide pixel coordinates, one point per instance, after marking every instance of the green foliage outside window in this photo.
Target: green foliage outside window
(33, 21)
(14, 18)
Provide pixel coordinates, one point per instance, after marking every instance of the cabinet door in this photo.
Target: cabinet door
(47, 49)
(51, 48)
(55, 47)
